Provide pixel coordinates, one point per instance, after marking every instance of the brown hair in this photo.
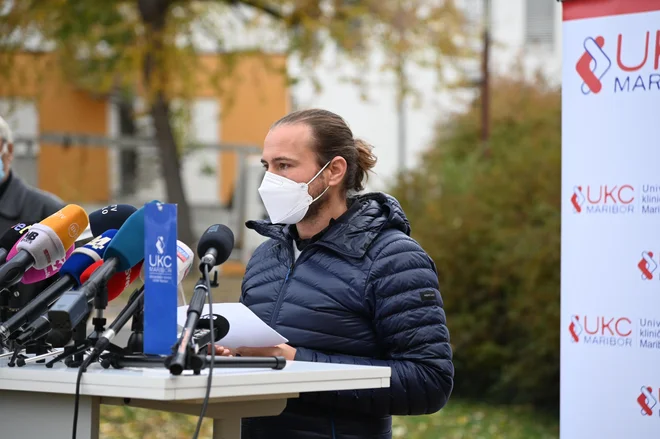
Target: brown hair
(333, 138)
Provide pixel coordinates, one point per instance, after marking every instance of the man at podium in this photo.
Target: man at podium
(343, 281)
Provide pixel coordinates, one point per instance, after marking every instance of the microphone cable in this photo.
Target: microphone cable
(76, 403)
(207, 281)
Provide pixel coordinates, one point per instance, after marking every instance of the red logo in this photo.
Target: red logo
(593, 64)
(612, 331)
(647, 265)
(603, 199)
(646, 401)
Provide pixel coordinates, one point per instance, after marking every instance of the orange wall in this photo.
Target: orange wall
(252, 94)
(77, 174)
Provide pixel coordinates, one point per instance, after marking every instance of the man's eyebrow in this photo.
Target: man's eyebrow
(280, 159)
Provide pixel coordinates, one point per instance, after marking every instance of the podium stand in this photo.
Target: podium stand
(38, 402)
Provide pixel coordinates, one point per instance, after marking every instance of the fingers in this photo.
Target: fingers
(221, 350)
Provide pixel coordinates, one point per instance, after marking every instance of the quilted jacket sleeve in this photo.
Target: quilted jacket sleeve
(403, 294)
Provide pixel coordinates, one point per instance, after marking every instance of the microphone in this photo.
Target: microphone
(70, 274)
(109, 217)
(136, 301)
(202, 336)
(214, 248)
(32, 275)
(124, 252)
(45, 243)
(69, 310)
(10, 238)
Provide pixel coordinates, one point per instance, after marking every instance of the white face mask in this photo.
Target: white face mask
(286, 201)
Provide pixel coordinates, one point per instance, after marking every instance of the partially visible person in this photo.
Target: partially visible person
(20, 202)
(343, 281)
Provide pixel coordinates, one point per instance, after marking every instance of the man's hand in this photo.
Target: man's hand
(222, 351)
(283, 350)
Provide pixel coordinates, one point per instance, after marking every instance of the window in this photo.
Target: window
(540, 22)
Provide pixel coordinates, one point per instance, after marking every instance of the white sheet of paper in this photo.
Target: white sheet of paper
(245, 328)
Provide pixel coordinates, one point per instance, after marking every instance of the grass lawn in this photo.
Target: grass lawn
(459, 420)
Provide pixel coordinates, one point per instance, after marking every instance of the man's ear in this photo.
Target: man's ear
(337, 168)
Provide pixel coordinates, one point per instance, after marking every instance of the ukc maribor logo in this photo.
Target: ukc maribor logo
(646, 401)
(647, 265)
(637, 58)
(601, 330)
(603, 199)
(615, 199)
(593, 65)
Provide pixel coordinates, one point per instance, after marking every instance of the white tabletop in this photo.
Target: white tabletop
(158, 384)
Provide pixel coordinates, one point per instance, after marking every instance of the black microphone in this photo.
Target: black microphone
(215, 246)
(35, 330)
(213, 249)
(10, 237)
(202, 336)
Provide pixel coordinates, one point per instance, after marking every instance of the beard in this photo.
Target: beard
(316, 206)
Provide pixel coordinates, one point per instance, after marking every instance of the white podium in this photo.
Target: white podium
(38, 402)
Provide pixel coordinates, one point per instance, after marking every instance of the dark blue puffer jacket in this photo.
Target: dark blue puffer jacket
(364, 293)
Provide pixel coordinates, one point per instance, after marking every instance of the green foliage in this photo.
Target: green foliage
(458, 420)
(491, 222)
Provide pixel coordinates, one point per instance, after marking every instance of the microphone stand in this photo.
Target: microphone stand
(135, 344)
(157, 361)
(133, 355)
(74, 356)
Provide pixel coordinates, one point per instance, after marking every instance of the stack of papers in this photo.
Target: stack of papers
(245, 328)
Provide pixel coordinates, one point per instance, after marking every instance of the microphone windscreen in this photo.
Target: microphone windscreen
(184, 256)
(11, 236)
(67, 223)
(34, 275)
(118, 282)
(86, 255)
(110, 217)
(219, 237)
(128, 244)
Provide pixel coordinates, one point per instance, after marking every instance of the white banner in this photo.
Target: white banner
(610, 261)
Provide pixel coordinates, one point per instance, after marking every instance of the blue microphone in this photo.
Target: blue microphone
(70, 273)
(124, 251)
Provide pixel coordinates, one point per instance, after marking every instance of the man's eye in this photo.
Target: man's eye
(283, 166)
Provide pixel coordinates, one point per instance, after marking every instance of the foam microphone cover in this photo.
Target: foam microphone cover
(219, 237)
(184, 256)
(110, 217)
(11, 236)
(128, 244)
(117, 283)
(86, 255)
(67, 223)
(34, 275)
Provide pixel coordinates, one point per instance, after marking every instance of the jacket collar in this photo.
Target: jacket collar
(353, 236)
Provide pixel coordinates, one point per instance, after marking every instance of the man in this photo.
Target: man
(20, 202)
(343, 281)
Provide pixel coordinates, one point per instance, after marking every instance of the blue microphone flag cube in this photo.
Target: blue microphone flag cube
(160, 278)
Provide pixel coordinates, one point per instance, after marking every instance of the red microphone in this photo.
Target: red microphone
(118, 282)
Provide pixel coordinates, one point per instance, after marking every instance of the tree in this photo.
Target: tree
(115, 45)
(492, 226)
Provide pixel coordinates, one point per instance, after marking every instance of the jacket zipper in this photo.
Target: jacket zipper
(280, 295)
